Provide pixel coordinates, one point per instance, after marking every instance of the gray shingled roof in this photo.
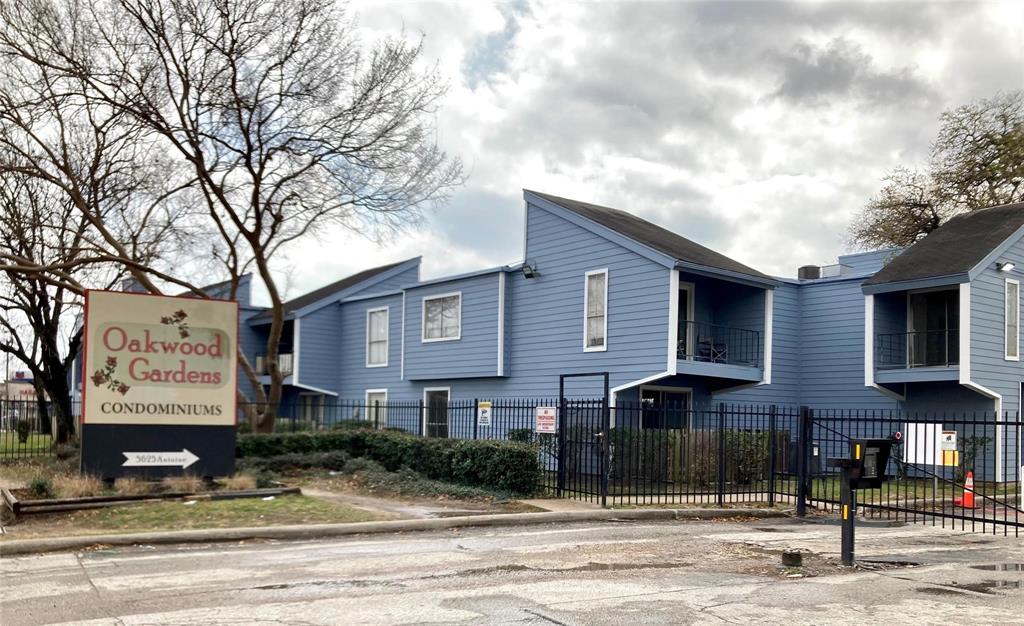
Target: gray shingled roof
(954, 248)
(653, 236)
(319, 294)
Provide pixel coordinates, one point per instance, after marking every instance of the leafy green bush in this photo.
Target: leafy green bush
(353, 425)
(333, 460)
(24, 428)
(40, 487)
(746, 456)
(502, 465)
(290, 425)
(373, 477)
(643, 454)
(265, 479)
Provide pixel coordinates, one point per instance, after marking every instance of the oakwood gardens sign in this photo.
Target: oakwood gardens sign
(159, 385)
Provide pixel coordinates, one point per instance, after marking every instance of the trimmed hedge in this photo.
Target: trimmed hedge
(333, 460)
(502, 465)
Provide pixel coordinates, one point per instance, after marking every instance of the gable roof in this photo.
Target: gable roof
(221, 290)
(955, 248)
(307, 299)
(653, 236)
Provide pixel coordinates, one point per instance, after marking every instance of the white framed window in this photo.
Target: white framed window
(435, 411)
(1012, 320)
(377, 407)
(595, 311)
(442, 317)
(377, 337)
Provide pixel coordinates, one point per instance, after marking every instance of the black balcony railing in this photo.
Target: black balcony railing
(930, 348)
(711, 343)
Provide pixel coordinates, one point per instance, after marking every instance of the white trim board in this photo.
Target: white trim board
(401, 363)
(326, 392)
(691, 313)
(1006, 320)
(501, 324)
(965, 332)
(673, 319)
(296, 348)
(869, 351)
(769, 328)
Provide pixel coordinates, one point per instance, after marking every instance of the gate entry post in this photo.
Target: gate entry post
(848, 500)
(721, 454)
(562, 446)
(803, 452)
(772, 452)
(476, 419)
(863, 469)
(606, 416)
(848, 471)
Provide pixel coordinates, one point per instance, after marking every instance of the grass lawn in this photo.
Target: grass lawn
(24, 469)
(911, 489)
(11, 445)
(176, 515)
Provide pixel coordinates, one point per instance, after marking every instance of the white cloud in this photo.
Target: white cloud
(755, 128)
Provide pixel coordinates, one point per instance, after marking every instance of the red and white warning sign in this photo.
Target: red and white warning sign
(545, 420)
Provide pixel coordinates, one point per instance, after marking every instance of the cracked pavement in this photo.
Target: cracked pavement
(593, 573)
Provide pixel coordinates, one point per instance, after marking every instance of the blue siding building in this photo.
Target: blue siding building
(931, 328)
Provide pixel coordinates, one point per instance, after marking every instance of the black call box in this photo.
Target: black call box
(866, 463)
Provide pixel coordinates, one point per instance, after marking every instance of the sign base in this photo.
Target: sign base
(116, 450)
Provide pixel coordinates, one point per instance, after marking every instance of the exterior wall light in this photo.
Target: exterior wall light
(530, 271)
(1005, 267)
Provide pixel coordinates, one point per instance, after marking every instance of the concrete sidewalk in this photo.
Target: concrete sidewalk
(319, 531)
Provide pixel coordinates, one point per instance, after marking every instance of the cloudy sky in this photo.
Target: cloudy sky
(757, 129)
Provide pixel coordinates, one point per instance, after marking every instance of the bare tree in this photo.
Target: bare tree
(977, 161)
(51, 253)
(903, 211)
(286, 124)
(39, 228)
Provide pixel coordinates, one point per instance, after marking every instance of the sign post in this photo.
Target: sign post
(159, 388)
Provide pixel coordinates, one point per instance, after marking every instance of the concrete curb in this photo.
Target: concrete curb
(321, 531)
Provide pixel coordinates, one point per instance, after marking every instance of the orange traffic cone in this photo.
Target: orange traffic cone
(967, 501)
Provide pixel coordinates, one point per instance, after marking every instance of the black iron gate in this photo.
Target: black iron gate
(637, 454)
(955, 471)
(583, 426)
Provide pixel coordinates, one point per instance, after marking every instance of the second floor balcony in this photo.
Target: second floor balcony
(931, 348)
(726, 345)
(285, 364)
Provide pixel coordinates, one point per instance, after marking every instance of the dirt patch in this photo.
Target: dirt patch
(181, 515)
(341, 488)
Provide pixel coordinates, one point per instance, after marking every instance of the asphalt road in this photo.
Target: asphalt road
(609, 573)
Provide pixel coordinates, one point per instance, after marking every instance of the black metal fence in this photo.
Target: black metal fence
(26, 429)
(641, 454)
